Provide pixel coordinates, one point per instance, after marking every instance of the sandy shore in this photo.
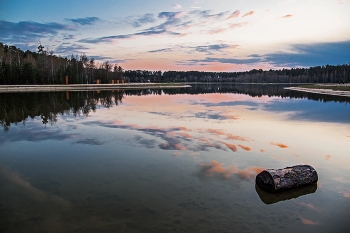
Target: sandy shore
(86, 87)
(321, 91)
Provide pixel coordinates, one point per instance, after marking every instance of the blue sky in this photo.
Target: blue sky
(216, 35)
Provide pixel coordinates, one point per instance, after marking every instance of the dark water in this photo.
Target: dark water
(179, 160)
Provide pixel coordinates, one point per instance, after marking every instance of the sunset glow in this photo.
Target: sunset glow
(184, 35)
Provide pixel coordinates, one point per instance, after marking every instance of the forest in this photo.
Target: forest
(43, 67)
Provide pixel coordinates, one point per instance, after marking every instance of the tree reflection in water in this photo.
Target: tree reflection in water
(18, 107)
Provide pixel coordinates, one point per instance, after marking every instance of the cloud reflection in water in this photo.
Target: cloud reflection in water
(216, 169)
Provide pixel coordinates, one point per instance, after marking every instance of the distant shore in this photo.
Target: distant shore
(88, 87)
(325, 89)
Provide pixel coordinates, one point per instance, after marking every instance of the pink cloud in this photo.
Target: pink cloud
(221, 30)
(287, 16)
(248, 13)
(234, 14)
(216, 131)
(281, 145)
(231, 146)
(234, 137)
(238, 25)
(245, 147)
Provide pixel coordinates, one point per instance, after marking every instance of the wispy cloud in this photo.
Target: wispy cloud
(287, 16)
(238, 25)
(161, 50)
(248, 13)
(210, 49)
(234, 14)
(172, 23)
(84, 21)
(140, 21)
(208, 60)
(68, 48)
(280, 145)
(177, 6)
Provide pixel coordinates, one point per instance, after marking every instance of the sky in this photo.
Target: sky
(184, 35)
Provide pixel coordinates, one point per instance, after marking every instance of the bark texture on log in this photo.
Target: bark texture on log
(290, 177)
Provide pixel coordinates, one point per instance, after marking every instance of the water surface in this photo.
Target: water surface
(171, 161)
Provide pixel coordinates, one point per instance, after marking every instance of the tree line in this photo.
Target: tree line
(317, 74)
(43, 67)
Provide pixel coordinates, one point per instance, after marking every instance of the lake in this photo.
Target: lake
(172, 160)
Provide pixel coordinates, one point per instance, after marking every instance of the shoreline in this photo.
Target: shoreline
(320, 91)
(86, 87)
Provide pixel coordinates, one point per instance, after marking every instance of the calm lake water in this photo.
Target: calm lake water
(177, 160)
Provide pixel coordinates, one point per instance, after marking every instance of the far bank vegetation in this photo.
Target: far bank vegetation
(43, 67)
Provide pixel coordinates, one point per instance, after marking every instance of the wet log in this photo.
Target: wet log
(274, 180)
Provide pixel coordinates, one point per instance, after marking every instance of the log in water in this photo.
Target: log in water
(290, 177)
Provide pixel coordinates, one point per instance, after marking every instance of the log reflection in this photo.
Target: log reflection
(271, 198)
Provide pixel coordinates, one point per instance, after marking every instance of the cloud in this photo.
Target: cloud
(25, 31)
(68, 49)
(220, 60)
(280, 145)
(238, 25)
(234, 14)
(246, 148)
(84, 21)
(109, 59)
(231, 146)
(216, 131)
(104, 39)
(306, 55)
(166, 23)
(210, 49)
(145, 19)
(177, 6)
(248, 13)
(69, 37)
(234, 137)
(161, 50)
(287, 16)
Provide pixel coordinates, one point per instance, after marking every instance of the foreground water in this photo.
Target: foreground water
(171, 161)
